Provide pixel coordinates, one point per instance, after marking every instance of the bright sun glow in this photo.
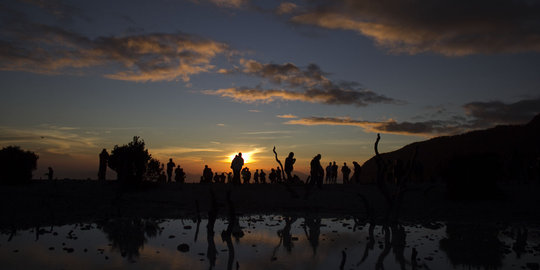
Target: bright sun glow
(246, 156)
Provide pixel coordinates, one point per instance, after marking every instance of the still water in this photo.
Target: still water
(271, 242)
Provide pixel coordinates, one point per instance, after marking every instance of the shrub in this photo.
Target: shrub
(16, 165)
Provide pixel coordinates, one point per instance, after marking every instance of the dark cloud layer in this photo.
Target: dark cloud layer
(497, 112)
(330, 96)
(426, 128)
(449, 27)
(286, 73)
(40, 48)
(481, 115)
(309, 84)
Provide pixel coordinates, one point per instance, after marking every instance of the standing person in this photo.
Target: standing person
(246, 174)
(317, 171)
(289, 162)
(272, 176)
(334, 173)
(357, 171)
(345, 171)
(179, 175)
(329, 172)
(229, 177)
(222, 177)
(262, 177)
(256, 176)
(207, 174)
(50, 174)
(236, 166)
(103, 159)
(170, 168)
(278, 174)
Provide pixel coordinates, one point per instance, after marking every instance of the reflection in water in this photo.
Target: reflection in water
(473, 245)
(128, 235)
(329, 244)
(285, 234)
(398, 243)
(312, 228)
(211, 251)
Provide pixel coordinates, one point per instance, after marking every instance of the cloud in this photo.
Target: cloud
(310, 83)
(479, 115)
(285, 73)
(172, 151)
(497, 112)
(332, 96)
(286, 8)
(51, 139)
(231, 4)
(286, 116)
(427, 128)
(39, 48)
(447, 27)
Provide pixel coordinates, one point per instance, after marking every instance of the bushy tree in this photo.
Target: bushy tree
(154, 170)
(16, 165)
(130, 161)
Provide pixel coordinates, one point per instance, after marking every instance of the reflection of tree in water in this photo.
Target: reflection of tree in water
(473, 245)
(128, 235)
(312, 228)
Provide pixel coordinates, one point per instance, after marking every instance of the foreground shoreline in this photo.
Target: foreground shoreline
(42, 203)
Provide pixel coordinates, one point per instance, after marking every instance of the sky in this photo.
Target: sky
(200, 80)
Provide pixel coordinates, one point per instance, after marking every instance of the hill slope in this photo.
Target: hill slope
(515, 149)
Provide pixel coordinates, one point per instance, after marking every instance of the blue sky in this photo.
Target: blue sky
(200, 80)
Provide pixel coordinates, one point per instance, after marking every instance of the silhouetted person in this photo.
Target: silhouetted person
(289, 163)
(50, 174)
(222, 177)
(334, 172)
(345, 171)
(216, 178)
(179, 175)
(272, 176)
(278, 174)
(229, 177)
(246, 175)
(207, 174)
(236, 166)
(103, 159)
(262, 177)
(357, 171)
(317, 171)
(328, 170)
(256, 176)
(170, 168)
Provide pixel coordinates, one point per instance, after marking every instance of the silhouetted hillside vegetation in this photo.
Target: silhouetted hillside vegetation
(502, 153)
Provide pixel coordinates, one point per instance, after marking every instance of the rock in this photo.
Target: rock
(183, 247)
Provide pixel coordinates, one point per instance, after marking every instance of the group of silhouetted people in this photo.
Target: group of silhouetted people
(241, 174)
(317, 173)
